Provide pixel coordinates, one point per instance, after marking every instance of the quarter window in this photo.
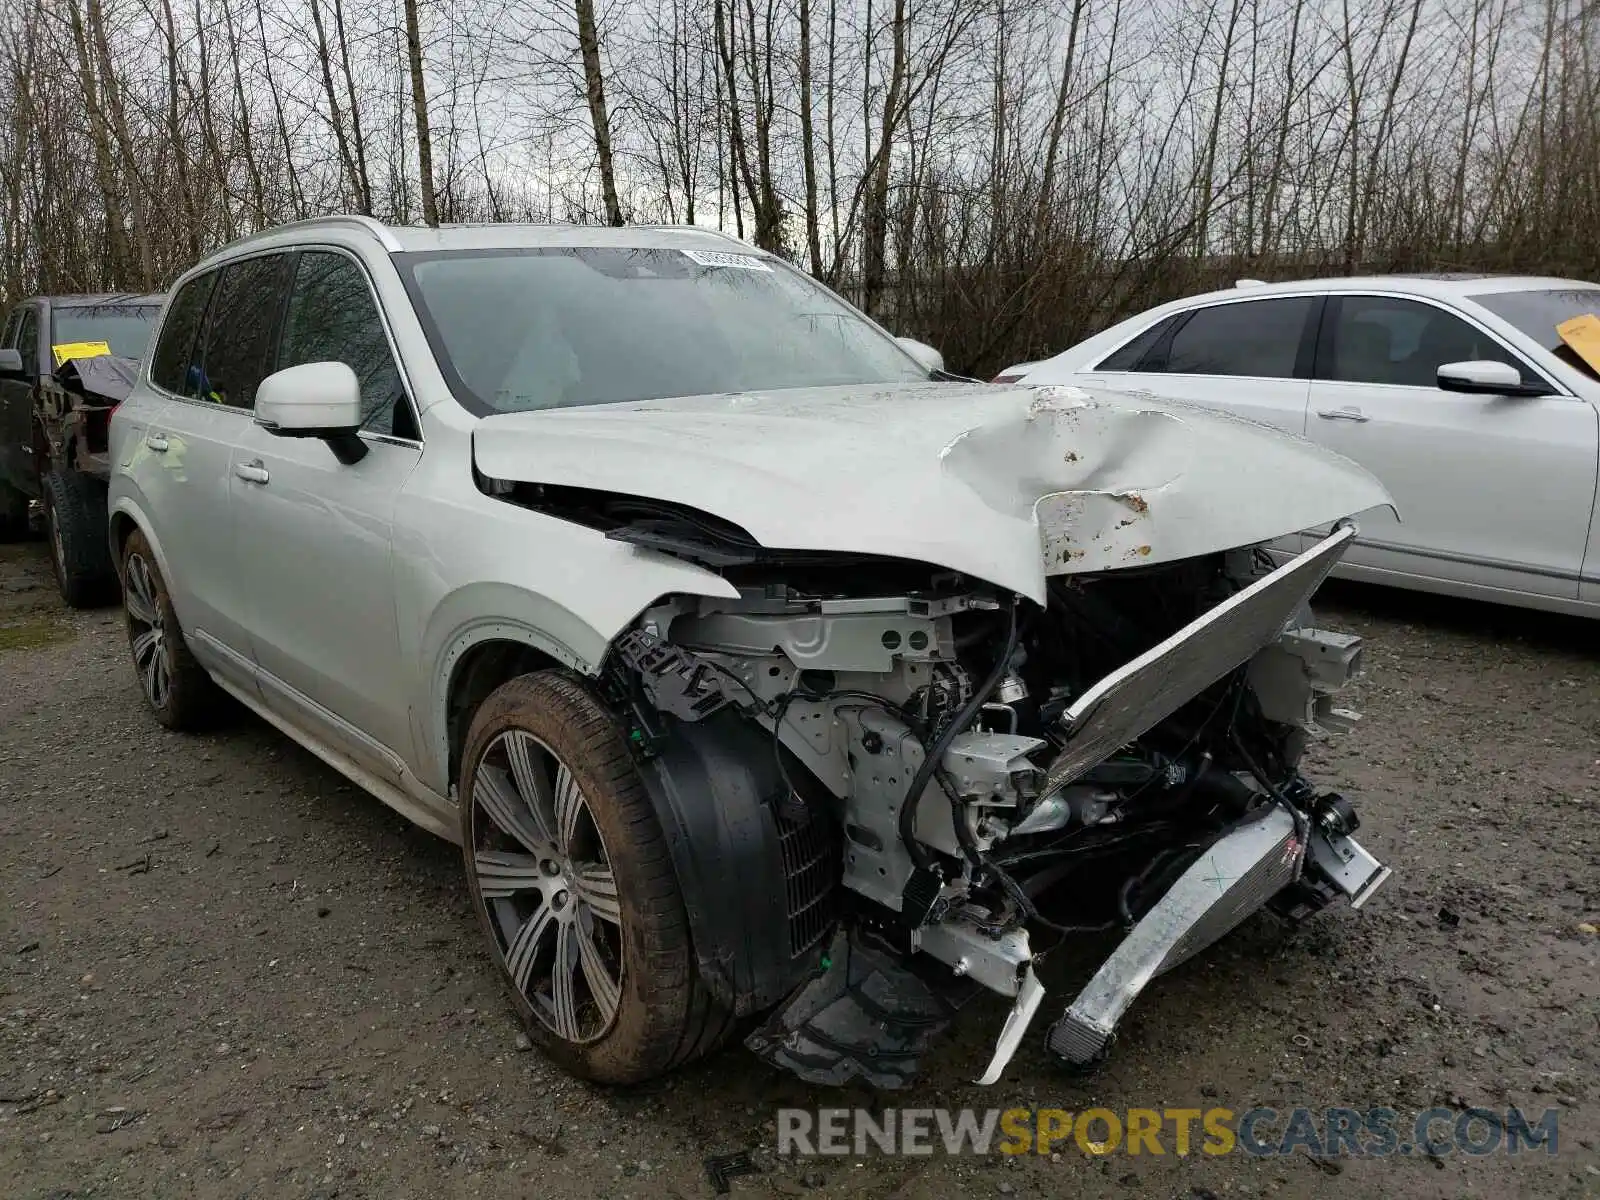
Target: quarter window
(1129, 356)
(1254, 337)
(241, 333)
(173, 362)
(1384, 339)
(333, 318)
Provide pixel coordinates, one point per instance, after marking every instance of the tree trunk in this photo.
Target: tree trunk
(419, 104)
(358, 142)
(808, 146)
(118, 272)
(875, 223)
(595, 90)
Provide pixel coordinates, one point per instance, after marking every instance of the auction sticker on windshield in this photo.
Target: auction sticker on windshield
(1583, 335)
(718, 258)
(68, 350)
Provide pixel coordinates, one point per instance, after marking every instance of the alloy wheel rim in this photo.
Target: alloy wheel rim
(147, 632)
(546, 880)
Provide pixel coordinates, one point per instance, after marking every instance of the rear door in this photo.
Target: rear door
(1251, 357)
(314, 534)
(211, 392)
(1492, 490)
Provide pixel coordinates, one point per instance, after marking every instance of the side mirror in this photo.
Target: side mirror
(923, 353)
(1487, 378)
(320, 400)
(11, 363)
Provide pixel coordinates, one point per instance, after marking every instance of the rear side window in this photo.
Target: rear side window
(332, 317)
(1384, 339)
(1128, 357)
(240, 339)
(1253, 337)
(174, 353)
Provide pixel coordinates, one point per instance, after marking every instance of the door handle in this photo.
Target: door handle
(156, 442)
(1342, 414)
(251, 472)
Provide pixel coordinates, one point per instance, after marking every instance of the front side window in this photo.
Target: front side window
(332, 318)
(1390, 340)
(240, 339)
(28, 341)
(1254, 337)
(567, 326)
(124, 328)
(8, 339)
(173, 356)
(1537, 313)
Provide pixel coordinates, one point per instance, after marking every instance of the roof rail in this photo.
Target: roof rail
(714, 232)
(368, 224)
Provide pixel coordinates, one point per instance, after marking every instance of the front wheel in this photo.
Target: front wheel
(574, 886)
(75, 519)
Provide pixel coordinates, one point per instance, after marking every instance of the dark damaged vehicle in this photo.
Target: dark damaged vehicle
(759, 668)
(65, 363)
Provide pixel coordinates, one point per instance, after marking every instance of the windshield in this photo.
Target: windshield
(568, 326)
(1538, 313)
(124, 328)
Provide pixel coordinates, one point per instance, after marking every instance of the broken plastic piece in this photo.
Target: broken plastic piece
(1015, 1028)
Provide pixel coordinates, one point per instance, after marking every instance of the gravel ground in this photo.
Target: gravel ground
(226, 972)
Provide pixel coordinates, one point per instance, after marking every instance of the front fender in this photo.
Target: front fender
(490, 612)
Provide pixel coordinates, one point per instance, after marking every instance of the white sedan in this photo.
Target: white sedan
(1456, 391)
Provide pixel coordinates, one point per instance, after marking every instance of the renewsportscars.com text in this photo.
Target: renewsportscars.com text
(1328, 1132)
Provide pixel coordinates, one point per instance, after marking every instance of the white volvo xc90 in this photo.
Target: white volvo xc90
(757, 665)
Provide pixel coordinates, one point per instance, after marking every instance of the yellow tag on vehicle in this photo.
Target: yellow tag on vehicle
(1582, 334)
(68, 350)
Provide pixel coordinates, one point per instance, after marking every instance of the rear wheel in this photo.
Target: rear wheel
(75, 520)
(574, 886)
(176, 687)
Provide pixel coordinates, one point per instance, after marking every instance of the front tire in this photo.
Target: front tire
(176, 687)
(574, 886)
(75, 522)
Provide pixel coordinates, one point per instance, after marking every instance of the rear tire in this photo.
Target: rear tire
(76, 524)
(574, 886)
(13, 514)
(176, 687)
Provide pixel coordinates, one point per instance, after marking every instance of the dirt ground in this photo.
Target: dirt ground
(226, 972)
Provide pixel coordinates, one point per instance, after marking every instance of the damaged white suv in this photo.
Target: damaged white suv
(757, 665)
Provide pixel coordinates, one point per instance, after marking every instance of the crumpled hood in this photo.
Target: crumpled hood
(1008, 484)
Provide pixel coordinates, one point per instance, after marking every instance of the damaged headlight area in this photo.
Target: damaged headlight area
(887, 787)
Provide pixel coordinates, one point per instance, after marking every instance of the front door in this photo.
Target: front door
(315, 535)
(1492, 490)
(16, 404)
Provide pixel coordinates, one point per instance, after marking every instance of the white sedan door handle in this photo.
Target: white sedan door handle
(251, 472)
(1341, 414)
(154, 441)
